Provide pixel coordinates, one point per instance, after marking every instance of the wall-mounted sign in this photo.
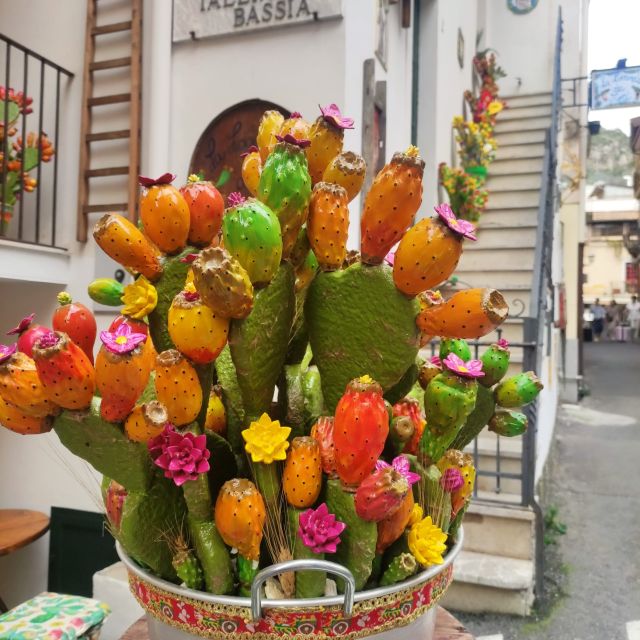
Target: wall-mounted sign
(208, 18)
(613, 88)
(522, 6)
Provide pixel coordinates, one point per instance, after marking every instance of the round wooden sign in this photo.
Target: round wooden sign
(217, 156)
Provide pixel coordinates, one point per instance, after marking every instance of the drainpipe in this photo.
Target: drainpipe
(415, 72)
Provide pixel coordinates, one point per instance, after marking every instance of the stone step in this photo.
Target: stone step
(520, 137)
(485, 583)
(522, 124)
(514, 167)
(527, 100)
(520, 151)
(515, 112)
(527, 198)
(507, 217)
(483, 259)
(513, 182)
(502, 237)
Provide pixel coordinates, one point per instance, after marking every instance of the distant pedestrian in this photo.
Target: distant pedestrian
(633, 316)
(599, 315)
(613, 320)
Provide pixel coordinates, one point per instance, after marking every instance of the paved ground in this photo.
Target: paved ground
(593, 572)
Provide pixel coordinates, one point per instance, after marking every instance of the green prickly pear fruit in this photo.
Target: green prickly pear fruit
(401, 568)
(454, 345)
(106, 291)
(477, 420)
(251, 234)
(187, 566)
(285, 187)
(508, 423)
(495, 363)
(518, 390)
(358, 547)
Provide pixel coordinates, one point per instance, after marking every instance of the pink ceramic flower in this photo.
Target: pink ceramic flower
(331, 113)
(235, 198)
(451, 480)
(165, 178)
(319, 530)
(6, 351)
(189, 258)
(22, 326)
(182, 456)
(469, 369)
(122, 340)
(461, 227)
(390, 258)
(251, 149)
(436, 361)
(402, 465)
(48, 340)
(294, 115)
(303, 143)
(503, 344)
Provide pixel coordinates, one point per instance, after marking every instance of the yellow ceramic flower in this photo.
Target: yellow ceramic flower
(427, 542)
(266, 441)
(416, 515)
(140, 298)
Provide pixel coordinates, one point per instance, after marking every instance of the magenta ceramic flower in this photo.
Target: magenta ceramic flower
(402, 465)
(189, 258)
(435, 360)
(303, 143)
(235, 198)
(165, 178)
(182, 456)
(22, 326)
(503, 344)
(331, 113)
(469, 369)
(6, 351)
(451, 480)
(122, 340)
(390, 258)
(461, 227)
(48, 340)
(319, 530)
(251, 149)
(294, 115)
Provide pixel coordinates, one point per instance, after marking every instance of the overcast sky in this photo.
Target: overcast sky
(614, 33)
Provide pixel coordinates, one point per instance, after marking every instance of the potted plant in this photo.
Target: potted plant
(476, 146)
(465, 192)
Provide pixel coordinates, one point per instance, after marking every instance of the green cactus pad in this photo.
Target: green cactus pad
(231, 398)
(223, 462)
(246, 573)
(495, 363)
(508, 423)
(359, 323)
(104, 446)
(400, 568)
(309, 584)
(477, 420)
(400, 390)
(189, 569)
(518, 390)
(259, 342)
(455, 345)
(357, 549)
(213, 555)
(302, 399)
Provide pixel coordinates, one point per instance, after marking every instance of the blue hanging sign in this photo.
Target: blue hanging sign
(615, 88)
(522, 7)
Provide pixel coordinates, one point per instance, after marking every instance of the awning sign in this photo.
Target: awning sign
(615, 88)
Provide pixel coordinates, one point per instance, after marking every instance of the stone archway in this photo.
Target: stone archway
(217, 153)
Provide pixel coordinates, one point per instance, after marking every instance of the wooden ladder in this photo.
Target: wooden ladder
(89, 102)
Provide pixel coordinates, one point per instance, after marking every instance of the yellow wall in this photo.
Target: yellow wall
(604, 267)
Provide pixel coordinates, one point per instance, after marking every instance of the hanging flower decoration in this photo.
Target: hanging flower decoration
(6, 351)
(320, 530)
(427, 542)
(266, 441)
(451, 480)
(331, 113)
(402, 465)
(122, 340)
(461, 227)
(468, 369)
(140, 298)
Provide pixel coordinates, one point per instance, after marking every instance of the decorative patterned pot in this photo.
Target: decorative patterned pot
(405, 611)
(477, 171)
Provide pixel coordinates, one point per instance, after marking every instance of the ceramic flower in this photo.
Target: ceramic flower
(122, 340)
(182, 456)
(319, 530)
(165, 178)
(266, 441)
(140, 298)
(451, 480)
(390, 258)
(436, 360)
(48, 340)
(402, 466)
(6, 351)
(494, 107)
(469, 369)
(189, 258)
(416, 515)
(22, 326)
(331, 113)
(463, 462)
(251, 149)
(303, 143)
(503, 344)
(427, 542)
(235, 198)
(461, 227)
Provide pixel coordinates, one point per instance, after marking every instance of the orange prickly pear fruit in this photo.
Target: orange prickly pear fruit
(125, 243)
(295, 125)
(302, 475)
(347, 169)
(360, 430)
(328, 224)
(251, 169)
(391, 204)
(164, 213)
(146, 421)
(178, 387)
(20, 384)
(216, 420)
(322, 433)
(392, 527)
(77, 322)
(15, 419)
(240, 515)
(206, 207)
(429, 252)
(327, 136)
(196, 330)
(470, 313)
(270, 124)
(65, 371)
(123, 367)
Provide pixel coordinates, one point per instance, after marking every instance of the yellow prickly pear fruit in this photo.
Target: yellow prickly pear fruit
(216, 420)
(178, 387)
(302, 476)
(328, 224)
(326, 135)
(196, 330)
(15, 419)
(391, 204)
(251, 169)
(347, 169)
(295, 125)
(270, 124)
(146, 421)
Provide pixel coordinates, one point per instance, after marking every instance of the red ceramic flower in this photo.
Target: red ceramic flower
(451, 480)
(122, 340)
(319, 530)
(189, 258)
(251, 149)
(402, 465)
(165, 178)
(469, 369)
(461, 227)
(303, 143)
(6, 351)
(331, 113)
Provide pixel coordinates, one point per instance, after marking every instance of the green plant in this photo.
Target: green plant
(553, 527)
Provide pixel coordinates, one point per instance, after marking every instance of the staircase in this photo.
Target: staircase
(495, 572)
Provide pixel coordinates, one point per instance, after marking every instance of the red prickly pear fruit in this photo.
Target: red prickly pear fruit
(66, 372)
(114, 498)
(412, 410)
(16, 420)
(77, 322)
(381, 494)
(28, 334)
(302, 475)
(206, 207)
(322, 433)
(392, 526)
(360, 430)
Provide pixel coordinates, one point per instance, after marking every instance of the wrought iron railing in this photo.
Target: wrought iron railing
(32, 218)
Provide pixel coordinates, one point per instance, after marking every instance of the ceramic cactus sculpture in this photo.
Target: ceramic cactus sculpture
(268, 128)
(328, 224)
(206, 207)
(177, 387)
(28, 334)
(347, 170)
(251, 169)
(74, 319)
